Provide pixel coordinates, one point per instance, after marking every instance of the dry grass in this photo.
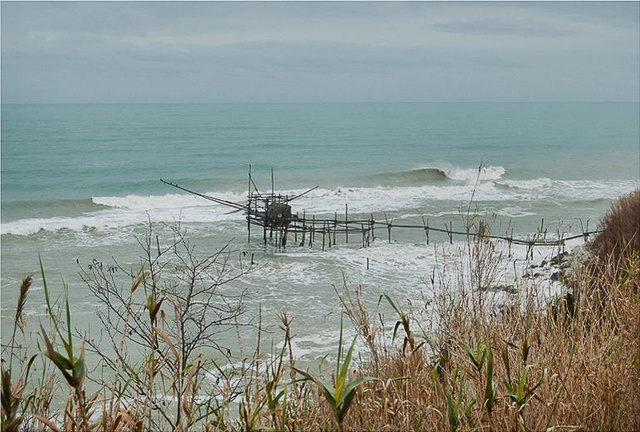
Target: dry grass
(521, 370)
(620, 237)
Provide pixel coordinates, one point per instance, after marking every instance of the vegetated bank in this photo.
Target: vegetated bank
(570, 363)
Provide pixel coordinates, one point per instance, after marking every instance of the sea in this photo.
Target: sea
(81, 185)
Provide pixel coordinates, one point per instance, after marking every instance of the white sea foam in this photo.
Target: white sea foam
(515, 212)
(118, 218)
(592, 189)
(538, 183)
(134, 209)
(168, 201)
(364, 200)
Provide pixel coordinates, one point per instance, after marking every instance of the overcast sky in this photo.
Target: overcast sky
(68, 52)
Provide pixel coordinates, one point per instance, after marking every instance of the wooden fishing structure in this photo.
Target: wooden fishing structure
(272, 213)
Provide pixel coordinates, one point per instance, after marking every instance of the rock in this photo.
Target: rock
(578, 258)
(560, 258)
(568, 273)
(509, 289)
(563, 306)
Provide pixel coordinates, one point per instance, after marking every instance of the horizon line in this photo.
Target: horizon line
(320, 102)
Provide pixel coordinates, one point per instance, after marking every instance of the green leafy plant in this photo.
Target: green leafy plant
(340, 395)
(71, 366)
(490, 388)
(481, 355)
(404, 321)
(520, 394)
(477, 356)
(453, 408)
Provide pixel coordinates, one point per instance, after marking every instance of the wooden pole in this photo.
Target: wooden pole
(266, 207)
(510, 241)
(283, 238)
(388, 227)
(335, 226)
(585, 232)
(324, 230)
(304, 227)
(249, 209)
(373, 234)
(426, 228)
(346, 222)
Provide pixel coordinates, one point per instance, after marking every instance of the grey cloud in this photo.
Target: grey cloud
(620, 14)
(502, 27)
(226, 51)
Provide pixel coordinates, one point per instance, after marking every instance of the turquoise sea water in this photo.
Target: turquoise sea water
(82, 181)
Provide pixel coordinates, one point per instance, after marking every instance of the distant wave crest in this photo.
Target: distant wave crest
(408, 178)
(436, 174)
(483, 173)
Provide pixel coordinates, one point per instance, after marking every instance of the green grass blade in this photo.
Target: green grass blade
(395, 330)
(326, 390)
(344, 371)
(451, 414)
(69, 341)
(355, 383)
(48, 298)
(339, 348)
(393, 305)
(471, 354)
(489, 393)
(523, 382)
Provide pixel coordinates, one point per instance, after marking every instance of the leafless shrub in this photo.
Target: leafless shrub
(162, 329)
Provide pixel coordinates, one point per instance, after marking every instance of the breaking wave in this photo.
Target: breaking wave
(484, 173)
(435, 174)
